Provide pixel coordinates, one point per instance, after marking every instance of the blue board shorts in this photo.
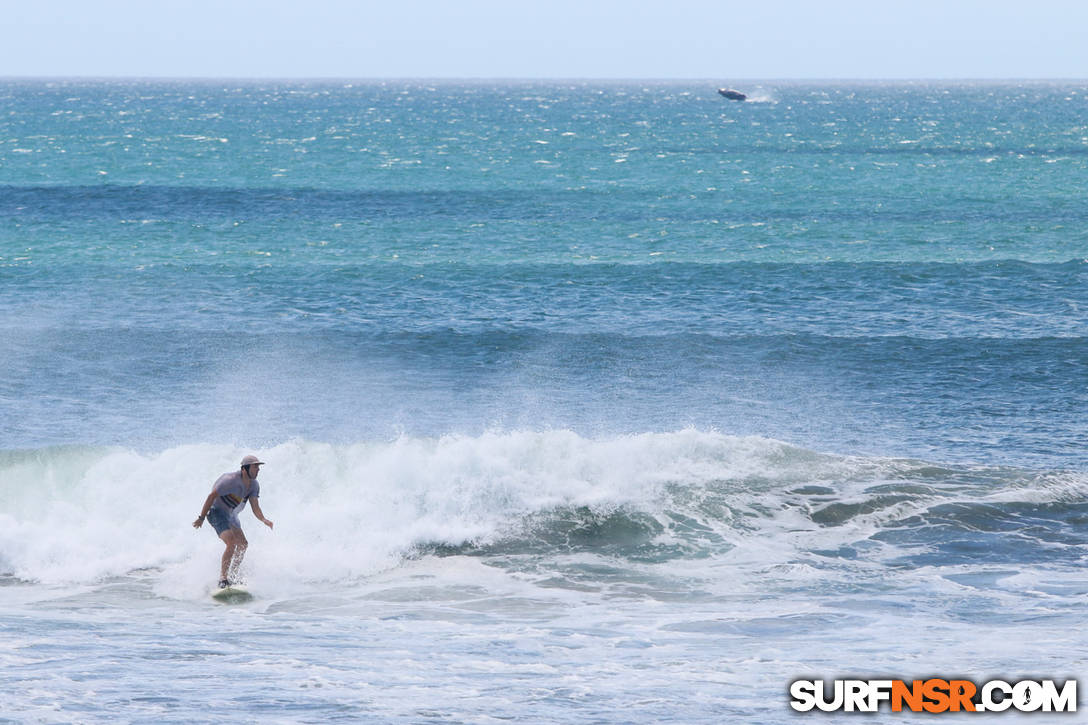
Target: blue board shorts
(220, 521)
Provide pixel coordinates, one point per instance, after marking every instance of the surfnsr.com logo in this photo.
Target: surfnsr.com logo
(933, 695)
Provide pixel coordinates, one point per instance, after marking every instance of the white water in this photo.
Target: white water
(78, 514)
(343, 512)
(354, 620)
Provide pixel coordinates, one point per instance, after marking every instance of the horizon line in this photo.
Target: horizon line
(528, 79)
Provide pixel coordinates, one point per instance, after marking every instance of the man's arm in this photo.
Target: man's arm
(204, 510)
(256, 506)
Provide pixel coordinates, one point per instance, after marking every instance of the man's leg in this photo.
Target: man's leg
(232, 556)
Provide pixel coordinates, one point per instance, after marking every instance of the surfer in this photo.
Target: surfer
(229, 495)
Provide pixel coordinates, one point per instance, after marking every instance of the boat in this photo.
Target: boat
(732, 95)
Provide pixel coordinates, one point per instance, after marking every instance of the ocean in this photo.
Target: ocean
(594, 402)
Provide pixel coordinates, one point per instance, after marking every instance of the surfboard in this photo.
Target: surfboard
(232, 595)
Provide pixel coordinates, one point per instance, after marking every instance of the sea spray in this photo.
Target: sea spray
(347, 511)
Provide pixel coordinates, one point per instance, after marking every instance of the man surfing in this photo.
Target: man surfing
(229, 495)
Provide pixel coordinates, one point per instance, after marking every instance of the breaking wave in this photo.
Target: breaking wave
(80, 514)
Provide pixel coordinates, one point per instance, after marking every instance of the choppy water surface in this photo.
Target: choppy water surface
(580, 401)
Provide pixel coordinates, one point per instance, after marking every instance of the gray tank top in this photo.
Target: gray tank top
(231, 495)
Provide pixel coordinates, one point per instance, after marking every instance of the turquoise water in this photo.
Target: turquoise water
(559, 383)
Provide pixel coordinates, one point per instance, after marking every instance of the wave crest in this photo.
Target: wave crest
(345, 511)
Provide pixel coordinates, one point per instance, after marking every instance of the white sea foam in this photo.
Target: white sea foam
(349, 612)
(343, 512)
(79, 514)
(762, 95)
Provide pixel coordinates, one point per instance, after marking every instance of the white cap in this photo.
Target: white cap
(251, 460)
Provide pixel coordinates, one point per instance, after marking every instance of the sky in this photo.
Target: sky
(697, 39)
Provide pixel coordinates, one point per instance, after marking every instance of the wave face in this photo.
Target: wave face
(530, 499)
